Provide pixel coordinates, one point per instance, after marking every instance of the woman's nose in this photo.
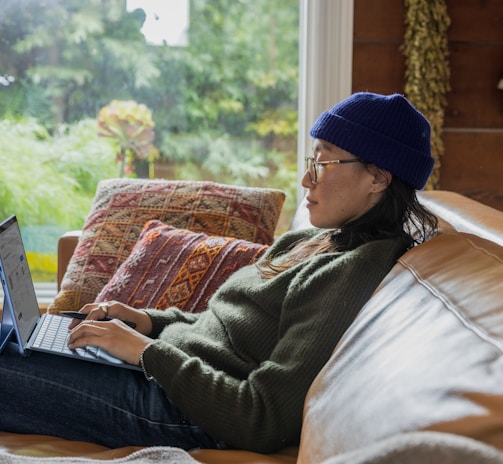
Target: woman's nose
(306, 181)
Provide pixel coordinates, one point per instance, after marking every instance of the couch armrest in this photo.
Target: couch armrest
(464, 214)
(66, 246)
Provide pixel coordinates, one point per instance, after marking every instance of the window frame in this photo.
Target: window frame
(326, 30)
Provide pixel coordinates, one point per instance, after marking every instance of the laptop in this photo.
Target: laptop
(22, 323)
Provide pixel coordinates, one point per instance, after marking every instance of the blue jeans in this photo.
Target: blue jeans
(80, 400)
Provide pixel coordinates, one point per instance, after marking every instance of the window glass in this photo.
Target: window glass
(217, 78)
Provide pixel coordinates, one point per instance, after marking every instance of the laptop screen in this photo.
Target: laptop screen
(17, 284)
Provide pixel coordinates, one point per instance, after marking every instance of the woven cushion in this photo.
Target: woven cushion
(121, 208)
(177, 267)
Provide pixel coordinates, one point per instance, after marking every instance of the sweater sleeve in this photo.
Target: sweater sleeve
(162, 318)
(263, 412)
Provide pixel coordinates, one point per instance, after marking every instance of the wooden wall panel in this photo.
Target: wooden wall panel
(474, 100)
(379, 20)
(473, 136)
(475, 20)
(474, 166)
(473, 139)
(378, 62)
(378, 68)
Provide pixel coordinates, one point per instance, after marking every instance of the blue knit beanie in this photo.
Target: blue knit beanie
(385, 130)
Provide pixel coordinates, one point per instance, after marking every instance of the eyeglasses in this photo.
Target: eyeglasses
(312, 166)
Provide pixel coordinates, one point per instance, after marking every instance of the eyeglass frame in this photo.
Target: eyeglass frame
(315, 165)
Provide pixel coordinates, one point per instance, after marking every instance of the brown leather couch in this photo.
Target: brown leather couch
(424, 356)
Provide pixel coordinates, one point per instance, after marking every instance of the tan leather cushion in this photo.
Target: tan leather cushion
(47, 446)
(425, 353)
(464, 214)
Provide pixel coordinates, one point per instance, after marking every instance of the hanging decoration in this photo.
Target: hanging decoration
(427, 70)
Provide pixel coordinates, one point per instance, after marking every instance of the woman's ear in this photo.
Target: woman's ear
(382, 179)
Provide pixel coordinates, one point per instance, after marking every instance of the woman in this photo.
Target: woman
(237, 374)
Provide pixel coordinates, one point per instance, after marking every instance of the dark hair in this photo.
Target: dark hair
(397, 214)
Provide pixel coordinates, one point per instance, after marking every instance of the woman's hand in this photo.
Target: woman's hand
(116, 310)
(113, 336)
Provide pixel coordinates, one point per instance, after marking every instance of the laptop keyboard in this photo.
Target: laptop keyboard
(53, 334)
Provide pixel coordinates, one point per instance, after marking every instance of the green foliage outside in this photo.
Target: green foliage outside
(224, 106)
(49, 181)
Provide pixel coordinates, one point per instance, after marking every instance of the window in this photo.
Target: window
(220, 78)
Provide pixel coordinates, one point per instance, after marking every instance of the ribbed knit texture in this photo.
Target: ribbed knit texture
(241, 369)
(385, 130)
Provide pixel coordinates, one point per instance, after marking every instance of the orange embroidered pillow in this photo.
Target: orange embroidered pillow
(177, 267)
(121, 207)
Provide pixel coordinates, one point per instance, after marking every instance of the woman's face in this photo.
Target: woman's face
(343, 192)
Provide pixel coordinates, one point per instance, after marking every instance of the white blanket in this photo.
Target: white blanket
(408, 448)
(152, 455)
(422, 448)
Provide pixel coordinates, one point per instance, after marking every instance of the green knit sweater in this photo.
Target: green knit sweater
(242, 368)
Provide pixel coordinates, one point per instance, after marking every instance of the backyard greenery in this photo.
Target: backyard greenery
(224, 106)
(48, 181)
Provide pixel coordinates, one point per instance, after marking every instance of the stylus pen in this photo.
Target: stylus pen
(77, 315)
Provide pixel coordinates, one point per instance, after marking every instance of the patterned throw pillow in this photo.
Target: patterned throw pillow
(121, 208)
(177, 267)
